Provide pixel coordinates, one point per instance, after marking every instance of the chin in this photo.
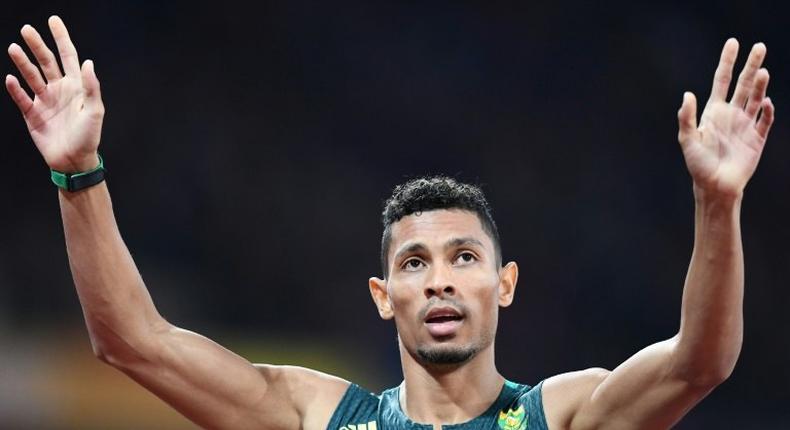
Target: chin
(446, 355)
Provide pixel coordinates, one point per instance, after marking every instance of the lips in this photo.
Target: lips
(443, 322)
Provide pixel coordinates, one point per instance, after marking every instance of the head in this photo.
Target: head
(443, 275)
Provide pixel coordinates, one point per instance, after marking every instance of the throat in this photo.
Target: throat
(448, 404)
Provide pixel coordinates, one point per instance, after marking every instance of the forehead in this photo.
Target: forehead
(437, 227)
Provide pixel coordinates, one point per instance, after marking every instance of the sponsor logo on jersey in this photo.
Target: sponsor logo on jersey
(367, 426)
(513, 419)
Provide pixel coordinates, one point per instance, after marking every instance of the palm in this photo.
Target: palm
(65, 115)
(727, 149)
(59, 125)
(722, 153)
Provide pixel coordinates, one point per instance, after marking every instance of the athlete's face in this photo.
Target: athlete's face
(444, 286)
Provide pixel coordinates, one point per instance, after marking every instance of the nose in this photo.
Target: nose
(439, 283)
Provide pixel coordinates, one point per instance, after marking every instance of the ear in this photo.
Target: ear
(508, 276)
(378, 290)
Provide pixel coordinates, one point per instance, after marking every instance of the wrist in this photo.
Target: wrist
(81, 164)
(79, 180)
(717, 207)
(705, 197)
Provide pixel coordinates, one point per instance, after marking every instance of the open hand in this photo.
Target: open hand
(65, 116)
(722, 153)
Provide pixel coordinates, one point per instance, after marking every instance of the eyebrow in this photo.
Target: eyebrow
(452, 243)
(461, 241)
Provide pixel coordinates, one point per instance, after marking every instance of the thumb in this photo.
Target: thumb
(92, 89)
(687, 118)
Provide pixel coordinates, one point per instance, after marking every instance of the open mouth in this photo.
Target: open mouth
(443, 318)
(443, 322)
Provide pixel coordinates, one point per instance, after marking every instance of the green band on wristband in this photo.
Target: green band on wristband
(80, 180)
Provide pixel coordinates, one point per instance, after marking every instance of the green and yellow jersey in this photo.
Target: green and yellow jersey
(518, 407)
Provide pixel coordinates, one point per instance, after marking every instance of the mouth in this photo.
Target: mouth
(443, 322)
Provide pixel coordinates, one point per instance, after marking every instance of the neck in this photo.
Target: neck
(436, 395)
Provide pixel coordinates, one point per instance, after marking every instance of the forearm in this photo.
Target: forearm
(118, 309)
(711, 329)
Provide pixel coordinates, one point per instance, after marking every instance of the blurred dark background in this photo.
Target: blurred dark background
(249, 148)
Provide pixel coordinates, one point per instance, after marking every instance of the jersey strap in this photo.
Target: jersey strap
(357, 410)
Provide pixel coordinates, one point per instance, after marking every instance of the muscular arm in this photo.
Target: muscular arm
(657, 386)
(204, 381)
(212, 386)
(711, 324)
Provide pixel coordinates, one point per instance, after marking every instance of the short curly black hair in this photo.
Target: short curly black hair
(432, 193)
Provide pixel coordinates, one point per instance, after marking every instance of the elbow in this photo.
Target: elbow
(123, 350)
(707, 372)
(710, 377)
(100, 353)
(118, 353)
(116, 357)
(706, 367)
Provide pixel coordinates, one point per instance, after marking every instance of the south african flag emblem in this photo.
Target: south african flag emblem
(513, 419)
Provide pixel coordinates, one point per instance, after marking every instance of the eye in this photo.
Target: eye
(412, 265)
(465, 258)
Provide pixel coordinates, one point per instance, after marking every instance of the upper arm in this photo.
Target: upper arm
(643, 392)
(218, 389)
(313, 394)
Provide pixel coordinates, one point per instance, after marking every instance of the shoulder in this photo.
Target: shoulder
(522, 404)
(315, 395)
(359, 409)
(565, 394)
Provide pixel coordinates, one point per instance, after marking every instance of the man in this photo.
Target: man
(443, 284)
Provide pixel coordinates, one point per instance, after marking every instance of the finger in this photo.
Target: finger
(687, 119)
(68, 54)
(29, 72)
(723, 75)
(18, 94)
(758, 93)
(745, 84)
(766, 118)
(45, 57)
(92, 89)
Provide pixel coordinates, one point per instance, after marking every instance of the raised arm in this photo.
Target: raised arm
(656, 387)
(210, 385)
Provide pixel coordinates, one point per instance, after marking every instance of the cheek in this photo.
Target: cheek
(405, 303)
(489, 303)
(402, 292)
(487, 295)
